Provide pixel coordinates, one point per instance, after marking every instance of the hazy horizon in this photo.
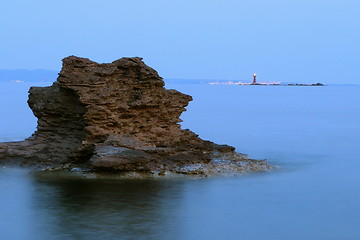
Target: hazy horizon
(38, 75)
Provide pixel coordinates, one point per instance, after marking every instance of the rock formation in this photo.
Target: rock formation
(114, 116)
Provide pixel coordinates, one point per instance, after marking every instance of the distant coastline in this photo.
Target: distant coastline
(238, 82)
(267, 84)
(22, 75)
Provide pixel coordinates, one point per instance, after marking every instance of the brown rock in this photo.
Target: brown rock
(112, 116)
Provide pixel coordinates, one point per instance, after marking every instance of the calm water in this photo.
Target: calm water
(312, 133)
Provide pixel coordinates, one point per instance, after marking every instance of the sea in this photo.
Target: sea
(311, 135)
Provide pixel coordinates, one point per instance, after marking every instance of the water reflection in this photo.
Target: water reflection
(87, 209)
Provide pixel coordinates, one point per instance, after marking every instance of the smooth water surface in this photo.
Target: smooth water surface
(311, 133)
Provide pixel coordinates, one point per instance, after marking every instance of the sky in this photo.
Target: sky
(303, 41)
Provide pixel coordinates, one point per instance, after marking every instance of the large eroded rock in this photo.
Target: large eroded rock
(112, 116)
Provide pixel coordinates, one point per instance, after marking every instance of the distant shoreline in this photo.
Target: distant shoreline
(269, 84)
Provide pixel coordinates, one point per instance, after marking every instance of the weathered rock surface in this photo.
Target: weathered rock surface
(114, 116)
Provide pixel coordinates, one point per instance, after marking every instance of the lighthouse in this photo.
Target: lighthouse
(254, 79)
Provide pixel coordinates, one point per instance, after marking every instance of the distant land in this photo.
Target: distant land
(51, 75)
(28, 75)
(238, 82)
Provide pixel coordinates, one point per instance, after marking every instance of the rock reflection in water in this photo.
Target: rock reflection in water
(108, 209)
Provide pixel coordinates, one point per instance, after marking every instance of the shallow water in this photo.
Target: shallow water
(312, 133)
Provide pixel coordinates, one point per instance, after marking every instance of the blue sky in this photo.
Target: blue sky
(293, 40)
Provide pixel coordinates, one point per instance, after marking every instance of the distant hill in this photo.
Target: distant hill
(195, 81)
(28, 75)
(51, 75)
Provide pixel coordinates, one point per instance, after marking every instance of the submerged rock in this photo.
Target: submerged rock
(116, 117)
